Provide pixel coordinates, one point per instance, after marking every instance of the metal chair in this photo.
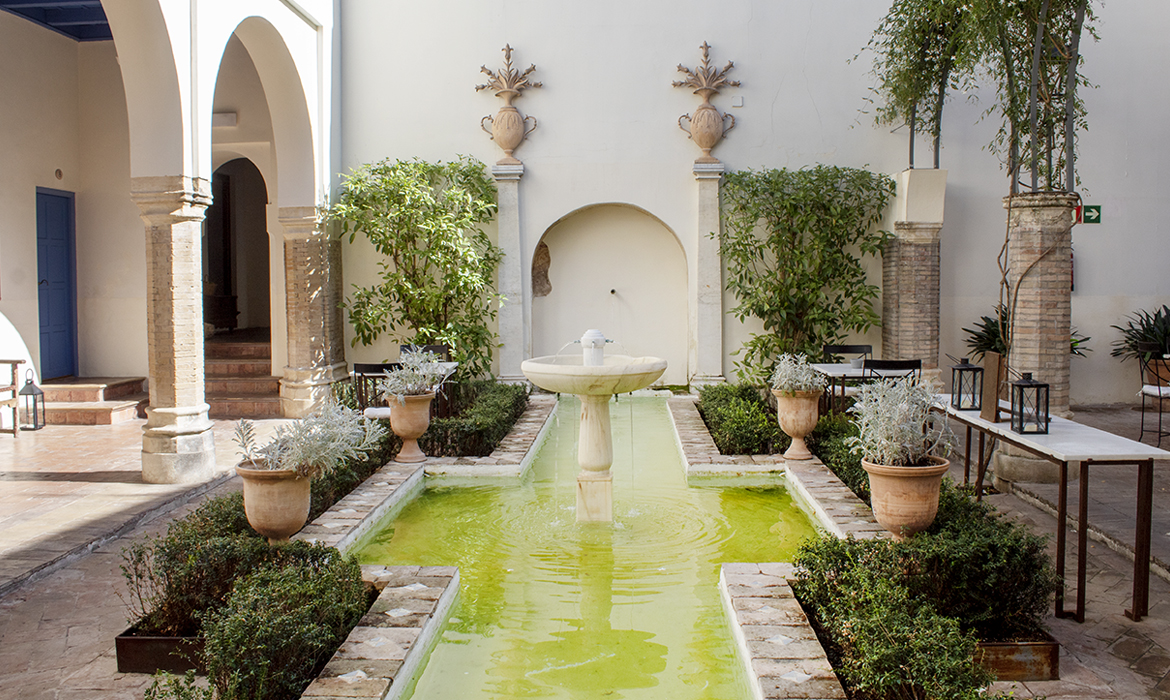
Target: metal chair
(1155, 377)
(365, 378)
(891, 369)
(832, 352)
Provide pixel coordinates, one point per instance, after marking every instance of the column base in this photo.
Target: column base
(701, 380)
(1014, 465)
(177, 445)
(303, 390)
(594, 497)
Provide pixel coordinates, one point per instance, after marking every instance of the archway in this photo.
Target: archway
(235, 249)
(619, 269)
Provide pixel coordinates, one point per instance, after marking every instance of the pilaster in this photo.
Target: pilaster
(177, 442)
(910, 293)
(514, 312)
(706, 287)
(313, 296)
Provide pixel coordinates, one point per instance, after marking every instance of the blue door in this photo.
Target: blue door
(56, 292)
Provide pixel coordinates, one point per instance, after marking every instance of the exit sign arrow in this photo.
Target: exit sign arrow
(1090, 214)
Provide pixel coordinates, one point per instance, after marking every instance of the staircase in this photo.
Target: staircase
(238, 375)
(94, 400)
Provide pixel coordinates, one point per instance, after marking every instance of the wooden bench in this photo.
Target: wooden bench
(13, 402)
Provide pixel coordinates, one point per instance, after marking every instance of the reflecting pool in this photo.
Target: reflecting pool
(553, 608)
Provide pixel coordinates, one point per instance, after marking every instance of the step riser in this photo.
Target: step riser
(89, 416)
(266, 386)
(245, 408)
(93, 392)
(242, 368)
(227, 351)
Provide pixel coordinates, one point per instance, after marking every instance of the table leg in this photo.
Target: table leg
(1061, 521)
(981, 469)
(1082, 540)
(1141, 546)
(967, 458)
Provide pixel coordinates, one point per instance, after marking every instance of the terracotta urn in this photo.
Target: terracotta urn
(905, 499)
(797, 412)
(409, 420)
(707, 124)
(508, 127)
(276, 501)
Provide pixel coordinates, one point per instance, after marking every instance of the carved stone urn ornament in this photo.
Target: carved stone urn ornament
(508, 127)
(707, 123)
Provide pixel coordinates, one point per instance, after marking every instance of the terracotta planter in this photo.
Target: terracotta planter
(905, 499)
(409, 420)
(275, 500)
(797, 412)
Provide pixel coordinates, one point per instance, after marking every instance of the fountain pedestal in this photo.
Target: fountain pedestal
(593, 379)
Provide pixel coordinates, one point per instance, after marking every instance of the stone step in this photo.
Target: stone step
(241, 386)
(238, 350)
(244, 407)
(92, 389)
(236, 367)
(96, 412)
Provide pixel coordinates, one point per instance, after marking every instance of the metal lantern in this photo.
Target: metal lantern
(1029, 406)
(33, 402)
(966, 386)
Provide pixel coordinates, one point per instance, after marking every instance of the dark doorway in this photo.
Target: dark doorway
(235, 260)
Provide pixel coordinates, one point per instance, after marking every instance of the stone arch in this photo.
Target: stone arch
(618, 268)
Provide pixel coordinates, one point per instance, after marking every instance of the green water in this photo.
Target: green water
(550, 608)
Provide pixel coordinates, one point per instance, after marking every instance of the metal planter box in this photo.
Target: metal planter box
(1021, 661)
(138, 653)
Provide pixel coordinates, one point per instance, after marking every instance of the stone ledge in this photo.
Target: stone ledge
(513, 455)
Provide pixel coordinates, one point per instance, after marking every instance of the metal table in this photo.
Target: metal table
(1070, 442)
(840, 374)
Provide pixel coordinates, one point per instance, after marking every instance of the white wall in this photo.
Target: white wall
(607, 129)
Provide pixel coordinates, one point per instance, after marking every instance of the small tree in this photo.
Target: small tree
(437, 275)
(791, 240)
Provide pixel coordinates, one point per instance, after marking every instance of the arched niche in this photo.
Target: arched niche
(619, 269)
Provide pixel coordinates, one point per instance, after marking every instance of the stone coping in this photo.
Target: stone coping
(383, 652)
(780, 650)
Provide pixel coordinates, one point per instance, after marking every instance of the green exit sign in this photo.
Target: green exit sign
(1089, 214)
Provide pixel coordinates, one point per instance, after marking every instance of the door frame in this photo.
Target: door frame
(71, 274)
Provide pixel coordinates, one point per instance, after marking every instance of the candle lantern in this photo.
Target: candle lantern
(33, 404)
(966, 386)
(1029, 406)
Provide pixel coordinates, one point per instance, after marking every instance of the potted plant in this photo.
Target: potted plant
(798, 389)
(903, 447)
(277, 476)
(409, 391)
(1143, 327)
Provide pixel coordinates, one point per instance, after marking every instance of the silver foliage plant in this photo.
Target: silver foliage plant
(793, 373)
(896, 426)
(420, 373)
(313, 445)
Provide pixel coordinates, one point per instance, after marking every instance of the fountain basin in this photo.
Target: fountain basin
(567, 374)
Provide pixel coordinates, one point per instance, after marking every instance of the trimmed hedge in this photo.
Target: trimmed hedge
(740, 420)
(484, 413)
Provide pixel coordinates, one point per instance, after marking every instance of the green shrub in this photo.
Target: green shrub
(830, 442)
(169, 687)
(484, 413)
(740, 420)
(281, 624)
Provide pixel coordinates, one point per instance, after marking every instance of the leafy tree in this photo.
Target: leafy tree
(790, 241)
(923, 49)
(438, 267)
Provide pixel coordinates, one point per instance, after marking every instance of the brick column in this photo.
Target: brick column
(513, 328)
(706, 287)
(910, 265)
(1039, 248)
(313, 295)
(177, 444)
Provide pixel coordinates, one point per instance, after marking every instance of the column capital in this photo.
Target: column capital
(917, 231)
(508, 171)
(170, 198)
(709, 171)
(300, 222)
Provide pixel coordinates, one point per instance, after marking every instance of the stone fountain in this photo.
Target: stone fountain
(594, 378)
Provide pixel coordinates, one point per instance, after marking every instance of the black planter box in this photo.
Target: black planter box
(141, 653)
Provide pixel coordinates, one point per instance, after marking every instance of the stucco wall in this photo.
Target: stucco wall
(607, 129)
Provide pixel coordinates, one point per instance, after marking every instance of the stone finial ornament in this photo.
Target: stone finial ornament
(508, 127)
(707, 124)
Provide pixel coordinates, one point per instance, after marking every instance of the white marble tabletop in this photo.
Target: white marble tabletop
(1066, 441)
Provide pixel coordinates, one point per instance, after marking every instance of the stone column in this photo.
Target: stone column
(177, 444)
(706, 287)
(1040, 274)
(313, 295)
(910, 265)
(513, 326)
